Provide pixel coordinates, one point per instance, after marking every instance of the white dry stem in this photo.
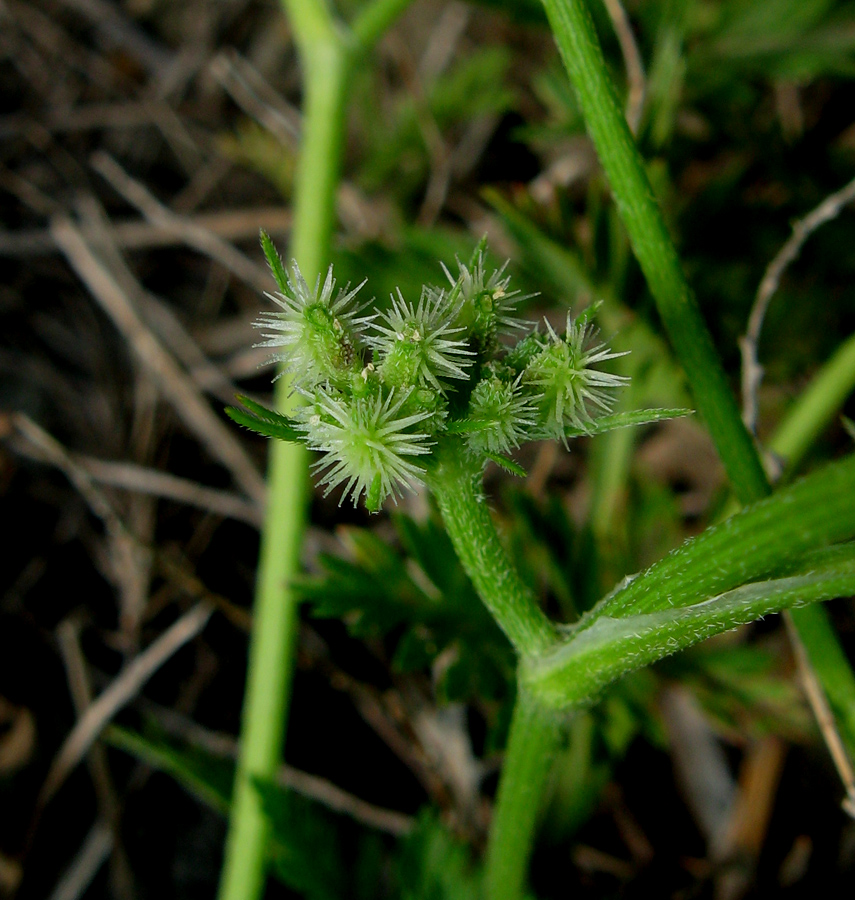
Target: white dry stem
(128, 557)
(189, 232)
(144, 480)
(120, 692)
(93, 853)
(174, 383)
(824, 719)
(752, 371)
(240, 224)
(632, 60)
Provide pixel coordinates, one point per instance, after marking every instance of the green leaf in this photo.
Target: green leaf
(305, 851)
(507, 464)
(274, 260)
(760, 541)
(304, 845)
(545, 548)
(264, 421)
(435, 866)
(419, 598)
(469, 425)
(626, 419)
(207, 777)
(372, 590)
(610, 647)
(745, 689)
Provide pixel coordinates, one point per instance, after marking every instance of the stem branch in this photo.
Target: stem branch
(456, 484)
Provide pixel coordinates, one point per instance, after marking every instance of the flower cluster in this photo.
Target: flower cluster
(383, 389)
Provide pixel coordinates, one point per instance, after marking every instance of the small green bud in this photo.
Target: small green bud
(418, 346)
(519, 357)
(571, 391)
(369, 443)
(484, 304)
(315, 333)
(503, 414)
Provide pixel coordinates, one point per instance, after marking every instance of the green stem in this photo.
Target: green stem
(533, 740)
(456, 484)
(580, 50)
(816, 407)
(270, 666)
(329, 53)
(273, 639)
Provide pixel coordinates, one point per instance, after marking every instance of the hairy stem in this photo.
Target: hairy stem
(580, 51)
(456, 484)
(534, 737)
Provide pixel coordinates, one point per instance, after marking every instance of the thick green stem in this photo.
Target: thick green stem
(271, 651)
(577, 42)
(534, 737)
(456, 484)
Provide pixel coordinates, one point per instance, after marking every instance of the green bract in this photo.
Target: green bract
(376, 406)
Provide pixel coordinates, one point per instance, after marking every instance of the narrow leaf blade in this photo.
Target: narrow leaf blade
(626, 419)
(260, 419)
(274, 260)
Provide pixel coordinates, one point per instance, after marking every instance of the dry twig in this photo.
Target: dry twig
(155, 311)
(133, 477)
(108, 802)
(824, 719)
(120, 692)
(311, 786)
(128, 558)
(117, 30)
(192, 234)
(93, 853)
(255, 96)
(175, 385)
(229, 225)
(333, 797)
(632, 60)
(752, 371)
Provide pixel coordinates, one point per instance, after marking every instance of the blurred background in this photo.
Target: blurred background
(143, 144)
